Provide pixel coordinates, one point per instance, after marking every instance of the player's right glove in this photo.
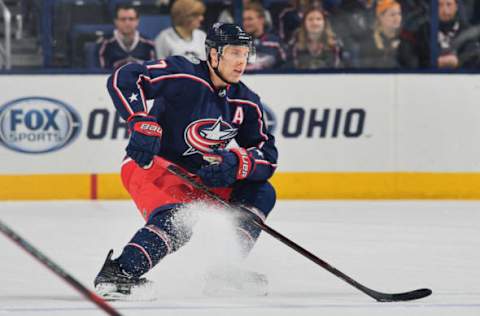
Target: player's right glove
(145, 139)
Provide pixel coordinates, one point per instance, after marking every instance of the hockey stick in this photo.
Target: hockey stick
(91, 296)
(379, 296)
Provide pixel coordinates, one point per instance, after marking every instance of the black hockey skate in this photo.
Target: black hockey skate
(113, 283)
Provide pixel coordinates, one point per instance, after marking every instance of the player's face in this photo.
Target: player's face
(391, 19)
(126, 21)
(315, 22)
(233, 62)
(447, 10)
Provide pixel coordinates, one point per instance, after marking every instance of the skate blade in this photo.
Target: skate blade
(141, 293)
(109, 292)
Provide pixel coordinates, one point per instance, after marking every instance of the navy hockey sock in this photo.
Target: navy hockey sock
(247, 235)
(151, 243)
(260, 197)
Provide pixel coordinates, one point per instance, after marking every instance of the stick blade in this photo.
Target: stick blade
(401, 297)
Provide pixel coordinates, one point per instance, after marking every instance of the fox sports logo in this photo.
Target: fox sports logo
(38, 125)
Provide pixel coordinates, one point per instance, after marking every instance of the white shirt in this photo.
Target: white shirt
(169, 43)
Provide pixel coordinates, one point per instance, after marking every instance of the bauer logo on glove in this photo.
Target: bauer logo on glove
(145, 140)
(148, 128)
(245, 164)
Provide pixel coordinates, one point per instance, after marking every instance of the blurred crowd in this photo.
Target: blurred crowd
(310, 34)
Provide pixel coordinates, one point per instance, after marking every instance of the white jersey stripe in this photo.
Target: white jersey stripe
(260, 114)
(265, 162)
(119, 93)
(180, 76)
(142, 94)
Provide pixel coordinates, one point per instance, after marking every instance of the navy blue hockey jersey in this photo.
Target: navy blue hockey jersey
(195, 117)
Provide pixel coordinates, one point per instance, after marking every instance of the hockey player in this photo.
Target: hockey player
(203, 113)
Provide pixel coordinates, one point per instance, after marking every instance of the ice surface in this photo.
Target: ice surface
(389, 246)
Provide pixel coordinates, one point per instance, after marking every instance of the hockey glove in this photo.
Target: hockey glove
(145, 139)
(232, 165)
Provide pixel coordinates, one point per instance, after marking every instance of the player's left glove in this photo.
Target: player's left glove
(232, 165)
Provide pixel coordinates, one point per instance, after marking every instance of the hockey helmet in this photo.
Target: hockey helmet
(223, 34)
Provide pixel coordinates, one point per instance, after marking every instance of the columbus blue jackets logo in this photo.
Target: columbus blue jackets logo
(203, 136)
(38, 125)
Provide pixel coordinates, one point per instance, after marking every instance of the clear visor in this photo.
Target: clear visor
(251, 54)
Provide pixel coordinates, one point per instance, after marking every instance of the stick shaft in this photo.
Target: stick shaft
(52, 266)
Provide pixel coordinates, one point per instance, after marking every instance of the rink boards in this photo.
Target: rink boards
(339, 136)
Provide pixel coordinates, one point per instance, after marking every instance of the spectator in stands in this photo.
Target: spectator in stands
(126, 45)
(457, 42)
(380, 50)
(353, 22)
(290, 19)
(226, 15)
(457, 48)
(269, 52)
(314, 45)
(184, 38)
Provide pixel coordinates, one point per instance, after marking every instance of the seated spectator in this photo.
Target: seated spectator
(380, 50)
(126, 45)
(457, 42)
(290, 19)
(314, 45)
(226, 15)
(184, 38)
(269, 53)
(353, 22)
(456, 49)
